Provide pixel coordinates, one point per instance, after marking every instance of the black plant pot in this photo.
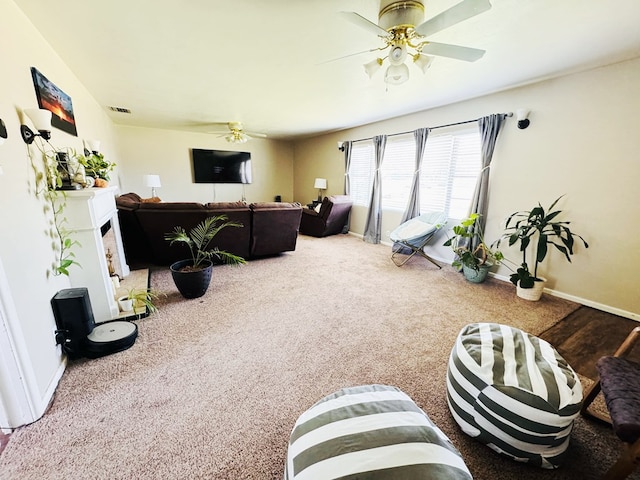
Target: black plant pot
(191, 284)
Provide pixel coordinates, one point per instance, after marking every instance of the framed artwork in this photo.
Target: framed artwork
(51, 98)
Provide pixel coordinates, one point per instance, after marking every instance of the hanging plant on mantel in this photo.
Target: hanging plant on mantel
(57, 169)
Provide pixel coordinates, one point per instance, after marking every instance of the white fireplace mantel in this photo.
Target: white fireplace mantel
(86, 211)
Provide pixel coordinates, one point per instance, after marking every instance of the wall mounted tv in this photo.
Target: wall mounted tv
(221, 166)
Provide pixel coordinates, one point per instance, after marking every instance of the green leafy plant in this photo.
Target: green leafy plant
(538, 228)
(143, 297)
(96, 166)
(199, 239)
(465, 235)
(48, 178)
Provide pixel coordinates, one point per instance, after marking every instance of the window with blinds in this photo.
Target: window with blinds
(361, 172)
(450, 168)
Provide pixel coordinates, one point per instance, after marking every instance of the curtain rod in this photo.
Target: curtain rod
(510, 114)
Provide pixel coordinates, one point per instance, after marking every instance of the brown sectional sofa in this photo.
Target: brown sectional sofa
(269, 228)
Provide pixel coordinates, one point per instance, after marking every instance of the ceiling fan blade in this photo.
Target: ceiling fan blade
(462, 11)
(257, 135)
(352, 55)
(467, 54)
(359, 20)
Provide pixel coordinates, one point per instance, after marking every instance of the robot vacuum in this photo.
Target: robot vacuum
(78, 333)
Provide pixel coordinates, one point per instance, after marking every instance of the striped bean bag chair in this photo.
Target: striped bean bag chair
(513, 392)
(370, 432)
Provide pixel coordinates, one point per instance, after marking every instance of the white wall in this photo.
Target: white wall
(167, 153)
(25, 249)
(583, 142)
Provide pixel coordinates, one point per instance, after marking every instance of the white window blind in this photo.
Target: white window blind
(450, 168)
(449, 172)
(361, 172)
(397, 171)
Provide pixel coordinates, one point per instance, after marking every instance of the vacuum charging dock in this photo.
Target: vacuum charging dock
(78, 333)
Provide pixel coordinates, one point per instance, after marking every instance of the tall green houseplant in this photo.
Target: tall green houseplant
(192, 276)
(540, 229)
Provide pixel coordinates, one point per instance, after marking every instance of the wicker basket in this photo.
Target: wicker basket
(532, 294)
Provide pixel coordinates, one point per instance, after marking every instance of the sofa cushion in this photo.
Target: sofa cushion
(128, 200)
(172, 206)
(215, 206)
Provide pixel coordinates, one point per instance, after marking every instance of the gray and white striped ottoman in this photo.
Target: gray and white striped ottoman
(370, 432)
(514, 392)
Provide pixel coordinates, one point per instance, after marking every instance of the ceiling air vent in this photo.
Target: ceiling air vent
(120, 110)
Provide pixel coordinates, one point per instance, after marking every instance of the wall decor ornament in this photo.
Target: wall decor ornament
(51, 98)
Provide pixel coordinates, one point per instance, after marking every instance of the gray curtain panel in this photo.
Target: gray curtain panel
(372, 229)
(490, 126)
(413, 205)
(348, 148)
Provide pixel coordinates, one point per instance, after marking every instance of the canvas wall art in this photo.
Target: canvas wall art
(51, 98)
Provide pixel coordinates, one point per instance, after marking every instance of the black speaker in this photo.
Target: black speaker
(74, 319)
(278, 198)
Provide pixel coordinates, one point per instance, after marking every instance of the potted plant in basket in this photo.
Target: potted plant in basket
(192, 276)
(473, 255)
(539, 228)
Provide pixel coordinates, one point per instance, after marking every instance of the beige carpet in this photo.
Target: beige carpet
(212, 387)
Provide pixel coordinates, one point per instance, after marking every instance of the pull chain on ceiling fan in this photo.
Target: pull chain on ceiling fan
(396, 26)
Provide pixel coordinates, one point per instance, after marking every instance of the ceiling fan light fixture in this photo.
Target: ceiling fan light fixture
(396, 74)
(372, 67)
(398, 54)
(423, 62)
(236, 137)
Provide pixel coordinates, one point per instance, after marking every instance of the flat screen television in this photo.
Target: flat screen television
(221, 166)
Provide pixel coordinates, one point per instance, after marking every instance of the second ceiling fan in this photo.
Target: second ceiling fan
(401, 27)
(236, 133)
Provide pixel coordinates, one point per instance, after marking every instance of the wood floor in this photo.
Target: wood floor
(588, 334)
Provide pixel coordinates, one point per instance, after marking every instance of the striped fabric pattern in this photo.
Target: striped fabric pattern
(513, 392)
(370, 432)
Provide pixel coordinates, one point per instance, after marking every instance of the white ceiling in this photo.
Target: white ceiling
(183, 64)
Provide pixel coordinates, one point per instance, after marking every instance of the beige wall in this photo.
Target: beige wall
(583, 142)
(25, 250)
(167, 153)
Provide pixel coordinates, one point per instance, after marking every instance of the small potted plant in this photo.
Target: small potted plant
(97, 167)
(192, 276)
(138, 300)
(538, 228)
(473, 255)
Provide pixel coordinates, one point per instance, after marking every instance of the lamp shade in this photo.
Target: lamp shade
(396, 74)
(94, 145)
(40, 117)
(320, 183)
(423, 62)
(373, 66)
(152, 181)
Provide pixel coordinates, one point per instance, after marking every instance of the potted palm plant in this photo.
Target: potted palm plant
(538, 228)
(192, 276)
(473, 255)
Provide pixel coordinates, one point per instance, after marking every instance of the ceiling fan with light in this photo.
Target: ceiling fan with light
(402, 39)
(236, 133)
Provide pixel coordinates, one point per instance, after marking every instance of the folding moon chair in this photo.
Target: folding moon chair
(415, 234)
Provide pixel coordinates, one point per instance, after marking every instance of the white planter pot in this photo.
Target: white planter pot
(125, 304)
(532, 294)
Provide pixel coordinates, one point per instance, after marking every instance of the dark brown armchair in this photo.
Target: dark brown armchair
(329, 220)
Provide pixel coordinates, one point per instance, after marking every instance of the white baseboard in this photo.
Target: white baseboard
(583, 301)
